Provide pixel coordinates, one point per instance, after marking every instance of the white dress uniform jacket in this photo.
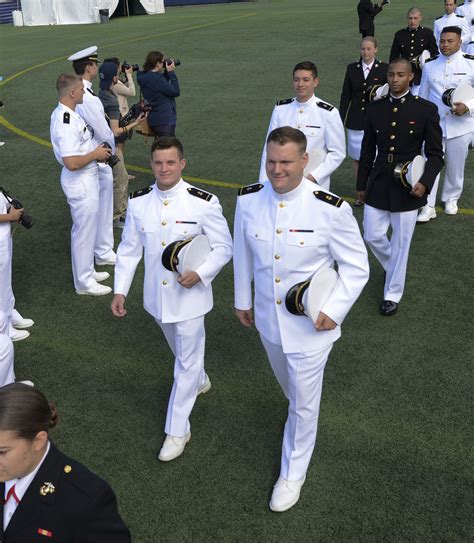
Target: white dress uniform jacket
(7, 300)
(154, 220)
(92, 111)
(283, 239)
(446, 73)
(467, 11)
(321, 124)
(452, 20)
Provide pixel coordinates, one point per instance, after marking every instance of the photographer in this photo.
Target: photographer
(366, 12)
(159, 86)
(108, 78)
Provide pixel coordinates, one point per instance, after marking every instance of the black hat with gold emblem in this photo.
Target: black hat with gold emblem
(463, 94)
(409, 173)
(376, 92)
(308, 297)
(186, 254)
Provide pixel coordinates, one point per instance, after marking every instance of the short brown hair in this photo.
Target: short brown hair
(65, 81)
(287, 134)
(408, 65)
(152, 60)
(167, 142)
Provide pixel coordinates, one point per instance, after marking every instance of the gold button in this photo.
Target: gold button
(67, 469)
(277, 280)
(411, 131)
(365, 84)
(163, 223)
(279, 230)
(163, 243)
(281, 204)
(395, 109)
(363, 100)
(277, 257)
(412, 41)
(301, 242)
(301, 110)
(391, 149)
(278, 302)
(164, 283)
(165, 203)
(412, 47)
(362, 108)
(394, 123)
(392, 137)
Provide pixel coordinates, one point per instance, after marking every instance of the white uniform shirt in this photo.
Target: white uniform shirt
(446, 73)
(452, 20)
(156, 219)
(322, 127)
(467, 10)
(70, 137)
(283, 239)
(92, 111)
(5, 228)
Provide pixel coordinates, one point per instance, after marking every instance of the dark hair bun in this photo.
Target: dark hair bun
(54, 415)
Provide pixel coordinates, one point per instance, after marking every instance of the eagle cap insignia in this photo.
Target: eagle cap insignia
(47, 488)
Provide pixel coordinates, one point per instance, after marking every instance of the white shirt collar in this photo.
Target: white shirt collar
(87, 83)
(166, 194)
(456, 55)
(365, 66)
(307, 103)
(289, 196)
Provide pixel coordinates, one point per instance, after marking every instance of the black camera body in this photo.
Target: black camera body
(168, 61)
(134, 112)
(126, 66)
(113, 159)
(25, 219)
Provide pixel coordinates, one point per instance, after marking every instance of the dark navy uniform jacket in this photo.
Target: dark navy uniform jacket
(395, 132)
(82, 508)
(367, 12)
(160, 90)
(409, 43)
(353, 97)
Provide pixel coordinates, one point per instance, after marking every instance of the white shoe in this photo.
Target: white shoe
(29, 383)
(426, 214)
(18, 335)
(206, 386)
(451, 207)
(108, 261)
(19, 322)
(100, 276)
(95, 290)
(285, 494)
(173, 447)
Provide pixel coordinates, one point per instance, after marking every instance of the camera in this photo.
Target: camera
(134, 112)
(25, 219)
(113, 159)
(168, 61)
(126, 66)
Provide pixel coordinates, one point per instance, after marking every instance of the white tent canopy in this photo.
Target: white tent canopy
(68, 12)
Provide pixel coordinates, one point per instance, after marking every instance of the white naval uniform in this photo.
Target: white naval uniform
(438, 75)
(281, 240)
(467, 10)
(153, 221)
(7, 374)
(452, 20)
(321, 124)
(71, 137)
(7, 300)
(92, 111)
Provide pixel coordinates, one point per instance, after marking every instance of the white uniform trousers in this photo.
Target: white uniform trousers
(187, 341)
(104, 241)
(82, 193)
(300, 376)
(456, 150)
(392, 254)
(7, 300)
(354, 143)
(7, 375)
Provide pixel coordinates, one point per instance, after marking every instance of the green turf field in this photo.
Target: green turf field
(394, 457)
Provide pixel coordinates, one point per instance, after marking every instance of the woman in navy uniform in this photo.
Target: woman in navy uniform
(47, 496)
(359, 77)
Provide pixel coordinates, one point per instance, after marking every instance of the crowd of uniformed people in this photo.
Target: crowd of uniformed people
(300, 261)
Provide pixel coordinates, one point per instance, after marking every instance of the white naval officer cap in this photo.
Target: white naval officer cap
(186, 254)
(90, 53)
(308, 297)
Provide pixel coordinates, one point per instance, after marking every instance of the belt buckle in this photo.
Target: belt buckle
(390, 157)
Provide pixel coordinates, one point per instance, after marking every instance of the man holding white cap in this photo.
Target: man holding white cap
(85, 64)
(397, 127)
(450, 70)
(451, 18)
(168, 211)
(286, 230)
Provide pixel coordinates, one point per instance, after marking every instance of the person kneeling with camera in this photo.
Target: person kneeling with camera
(108, 78)
(159, 87)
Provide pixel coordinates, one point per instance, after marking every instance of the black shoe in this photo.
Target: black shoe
(358, 203)
(388, 308)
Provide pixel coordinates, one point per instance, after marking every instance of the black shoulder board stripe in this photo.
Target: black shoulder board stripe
(432, 58)
(460, 16)
(284, 102)
(325, 106)
(66, 118)
(141, 192)
(249, 189)
(328, 198)
(92, 92)
(200, 193)
(470, 57)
